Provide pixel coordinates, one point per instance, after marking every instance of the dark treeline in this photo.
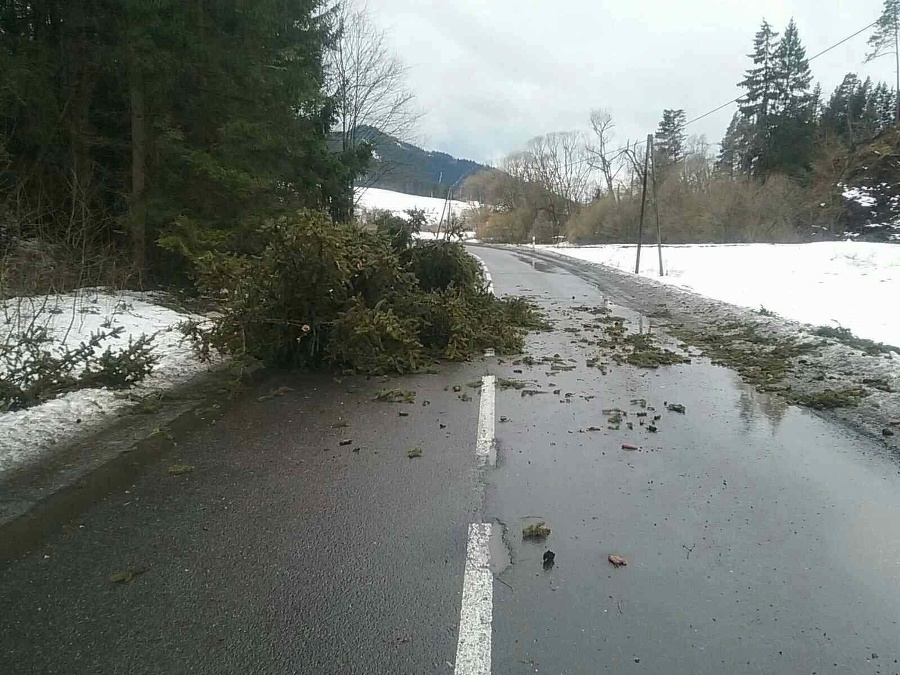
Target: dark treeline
(133, 129)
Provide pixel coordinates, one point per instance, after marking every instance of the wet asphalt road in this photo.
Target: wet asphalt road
(759, 538)
(282, 552)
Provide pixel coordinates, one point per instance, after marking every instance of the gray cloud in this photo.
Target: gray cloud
(490, 74)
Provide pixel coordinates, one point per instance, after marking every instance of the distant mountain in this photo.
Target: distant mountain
(404, 167)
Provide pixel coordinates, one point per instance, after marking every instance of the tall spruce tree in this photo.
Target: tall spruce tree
(756, 106)
(790, 139)
(793, 76)
(669, 148)
(886, 41)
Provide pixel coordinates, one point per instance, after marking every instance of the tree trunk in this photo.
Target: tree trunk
(138, 226)
(897, 74)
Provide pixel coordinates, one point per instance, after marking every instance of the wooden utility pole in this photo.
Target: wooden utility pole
(656, 208)
(637, 263)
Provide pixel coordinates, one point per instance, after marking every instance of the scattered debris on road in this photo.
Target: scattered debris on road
(280, 391)
(125, 576)
(346, 441)
(395, 396)
(179, 469)
(414, 453)
(675, 407)
(629, 446)
(549, 559)
(536, 531)
(617, 560)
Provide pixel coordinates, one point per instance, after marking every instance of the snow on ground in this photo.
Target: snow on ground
(71, 319)
(371, 199)
(468, 235)
(851, 284)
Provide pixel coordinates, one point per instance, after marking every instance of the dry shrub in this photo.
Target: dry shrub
(506, 227)
(724, 210)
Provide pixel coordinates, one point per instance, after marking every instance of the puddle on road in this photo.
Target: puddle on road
(538, 265)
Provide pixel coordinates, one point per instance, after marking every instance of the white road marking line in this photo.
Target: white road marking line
(473, 651)
(484, 442)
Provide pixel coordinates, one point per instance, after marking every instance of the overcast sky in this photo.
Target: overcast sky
(490, 74)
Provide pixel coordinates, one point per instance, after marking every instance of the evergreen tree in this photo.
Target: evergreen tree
(885, 102)
(816, 103)
(734, 146)
(191, 121)
(793, 76)
(790, 139)
(756, 106)
(760, 80)
(857, 111)
(836, 115)
(886, 40)
(669, 147)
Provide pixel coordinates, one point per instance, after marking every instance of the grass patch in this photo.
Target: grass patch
(831, 399)
(761, 361)
(846, 337)
(636, 349)
(646, 354)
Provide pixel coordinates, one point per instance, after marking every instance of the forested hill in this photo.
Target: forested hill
(404, 167)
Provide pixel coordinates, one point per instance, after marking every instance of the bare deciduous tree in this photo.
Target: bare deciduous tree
(367, 79)
(554, 174)
(601, 156)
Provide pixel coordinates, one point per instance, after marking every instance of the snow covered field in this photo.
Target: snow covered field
(370, 199)
(71, 319)
(851, 284)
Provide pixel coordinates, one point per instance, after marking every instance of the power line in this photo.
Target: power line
(620, 151)
(809, 60)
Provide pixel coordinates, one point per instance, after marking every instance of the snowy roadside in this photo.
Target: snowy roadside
(850, 284)
(27, 434)
(805, 368)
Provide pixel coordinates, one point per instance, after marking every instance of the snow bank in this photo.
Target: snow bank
(852, 284)
(371, 199)
(468, 235)
(70, 319)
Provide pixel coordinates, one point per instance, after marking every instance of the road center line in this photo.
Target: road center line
(484, 442)
(473, 651)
